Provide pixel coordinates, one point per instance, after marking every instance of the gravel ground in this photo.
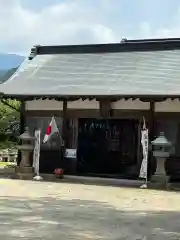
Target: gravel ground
(41, 210)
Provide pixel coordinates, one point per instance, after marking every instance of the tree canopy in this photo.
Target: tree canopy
(9, 120)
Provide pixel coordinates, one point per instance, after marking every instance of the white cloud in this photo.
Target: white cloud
(71, 22)
(146, 31)
(170, 31)
(65, 23)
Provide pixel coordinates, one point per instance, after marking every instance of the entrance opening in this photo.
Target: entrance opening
(107, 147)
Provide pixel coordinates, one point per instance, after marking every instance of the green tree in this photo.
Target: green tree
(8, 118)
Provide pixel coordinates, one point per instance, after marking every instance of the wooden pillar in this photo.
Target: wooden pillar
(73, 127)
(151, 128)
(64, 124)
(64, 131)
(22, 125)
(105, 108)
(139, 157)
(151, 121)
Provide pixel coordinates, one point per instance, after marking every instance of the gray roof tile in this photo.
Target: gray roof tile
(121, 73)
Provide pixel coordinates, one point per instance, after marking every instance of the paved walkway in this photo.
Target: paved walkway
(39, 210)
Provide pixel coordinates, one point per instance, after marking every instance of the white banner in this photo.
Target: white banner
(144, 164)
(36, 154)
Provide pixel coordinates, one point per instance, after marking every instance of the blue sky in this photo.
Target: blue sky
(24, 23)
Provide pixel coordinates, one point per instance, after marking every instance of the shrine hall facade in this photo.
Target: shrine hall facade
(99, 95)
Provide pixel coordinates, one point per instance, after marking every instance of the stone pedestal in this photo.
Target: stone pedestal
(25, 176)
(25, 166)
(160, 178)
(23, 169)
(160, 169)
(25, 155)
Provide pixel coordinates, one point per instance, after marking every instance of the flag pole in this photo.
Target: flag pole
(60, 137)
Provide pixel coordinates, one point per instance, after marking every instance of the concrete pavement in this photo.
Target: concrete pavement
(41, 210)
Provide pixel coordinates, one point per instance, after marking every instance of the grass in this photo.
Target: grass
(4, 164)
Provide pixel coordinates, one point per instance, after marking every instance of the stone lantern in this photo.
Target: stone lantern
(161, 148)
(26, 149)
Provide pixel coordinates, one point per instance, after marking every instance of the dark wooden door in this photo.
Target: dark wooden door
(106, 146)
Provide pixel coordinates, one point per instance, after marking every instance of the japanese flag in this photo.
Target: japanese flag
(51, 129)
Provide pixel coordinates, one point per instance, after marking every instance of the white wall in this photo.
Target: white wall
(130, 105)
(166, 106)
(83, 104)
(44, 105)
(56, 105)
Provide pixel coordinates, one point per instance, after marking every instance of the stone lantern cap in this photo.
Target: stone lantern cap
(161, 141)
(26, 135)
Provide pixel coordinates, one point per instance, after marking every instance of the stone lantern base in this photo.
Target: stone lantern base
(23, 169)
(25, 176)
(160, 178)
(25, 172)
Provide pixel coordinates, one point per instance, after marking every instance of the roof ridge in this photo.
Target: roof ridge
(123, 46)
(146, 40)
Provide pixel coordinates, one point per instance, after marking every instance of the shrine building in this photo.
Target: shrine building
(99, 95)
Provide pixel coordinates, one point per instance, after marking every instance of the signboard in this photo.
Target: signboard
(36, 154)
(70, 153)
(144, 164)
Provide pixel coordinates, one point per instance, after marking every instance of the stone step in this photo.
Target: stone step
(25, 176)
(92, 180)
(103, 181)
(24, 169)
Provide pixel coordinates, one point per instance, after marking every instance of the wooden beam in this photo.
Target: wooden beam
(145, 98)
(105, 108)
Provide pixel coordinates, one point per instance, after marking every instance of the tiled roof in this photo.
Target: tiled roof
(117, 73)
